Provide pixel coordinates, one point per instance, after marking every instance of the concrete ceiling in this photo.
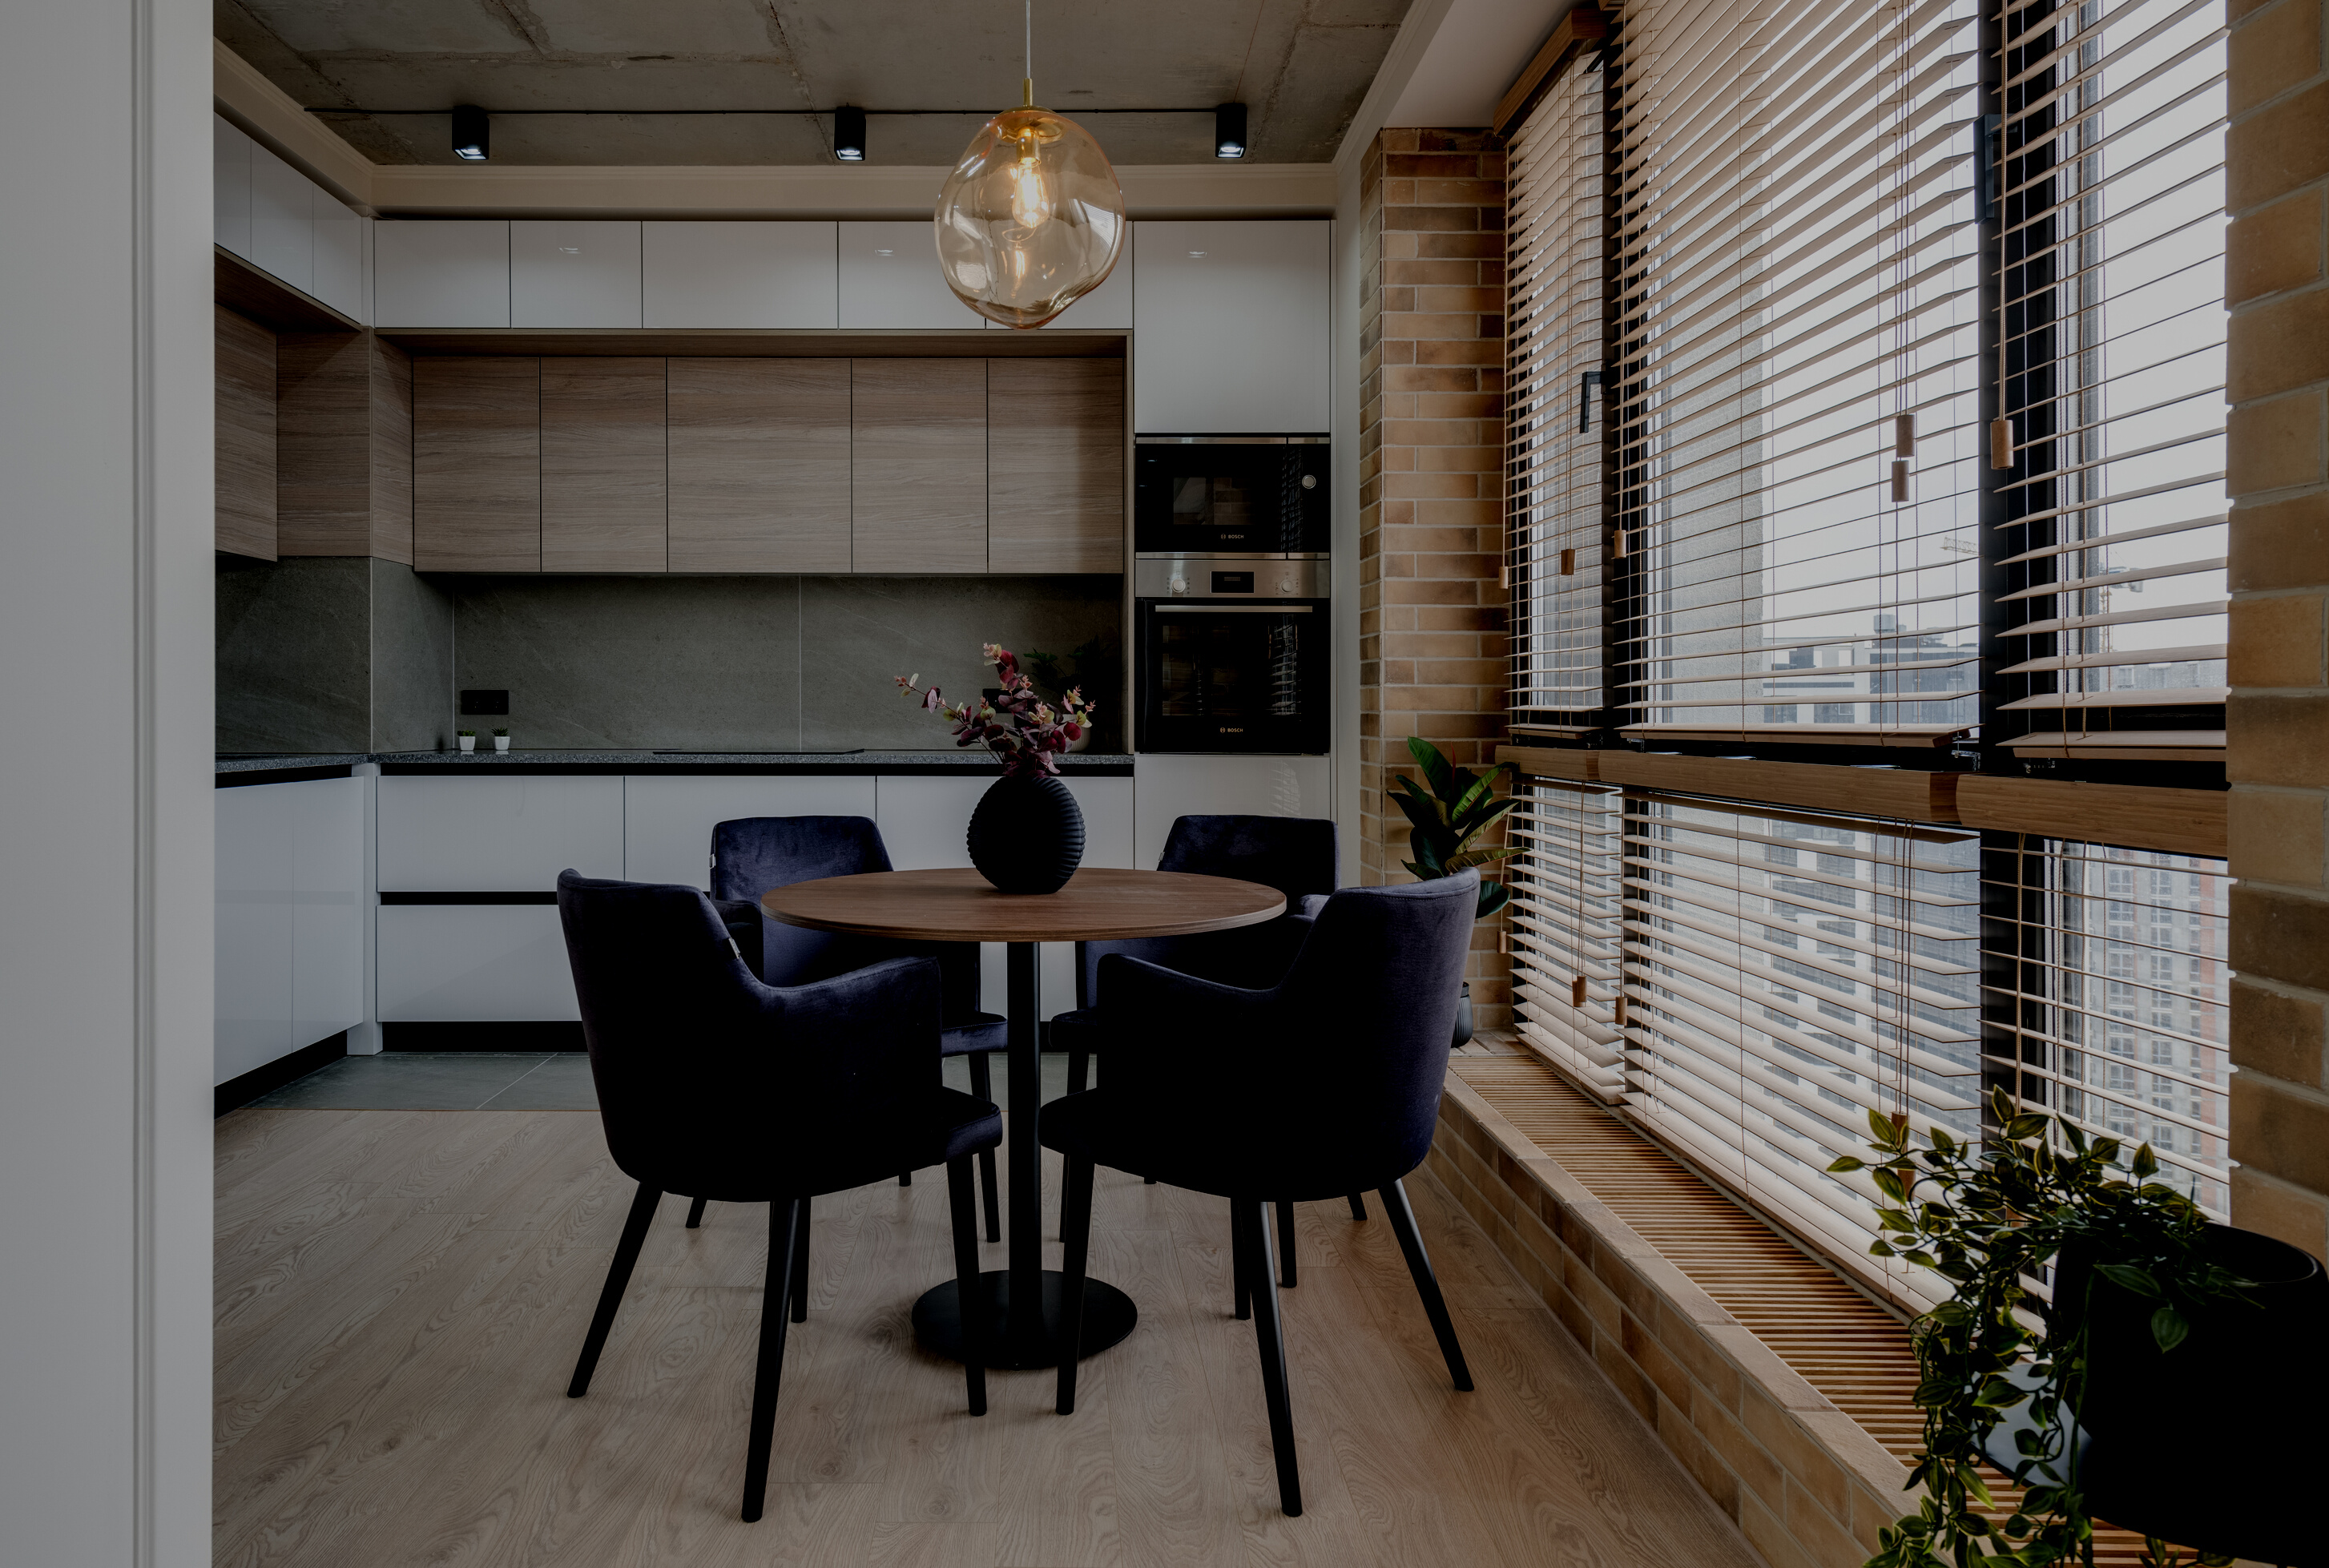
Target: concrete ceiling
(1302, 66)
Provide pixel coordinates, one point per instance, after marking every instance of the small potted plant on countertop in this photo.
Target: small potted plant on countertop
(1443, 822)
(465, 739)
(2171, 1383)
(1027, 835)
(501, 741)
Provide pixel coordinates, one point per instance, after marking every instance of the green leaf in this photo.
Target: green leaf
(1427, 758)
(2169, 1327)
(2023, 1129)
(1848, 1163)
(1493, 896)
(2127, 1277)
(2146, 1164)
(1480, 790)
(1881, 1130)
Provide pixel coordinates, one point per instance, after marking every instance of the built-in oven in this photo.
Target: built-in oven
(1227, 495)
(1232, 654)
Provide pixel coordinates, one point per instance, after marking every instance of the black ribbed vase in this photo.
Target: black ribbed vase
(1027, 835)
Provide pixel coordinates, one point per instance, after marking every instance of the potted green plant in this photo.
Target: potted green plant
(1445, 822)
(501, 741)
(2150, 1344)
(465, 739)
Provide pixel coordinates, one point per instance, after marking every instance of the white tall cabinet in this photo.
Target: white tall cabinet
(1230, 326)
(573, 273)
(284, 224)
(451, 273)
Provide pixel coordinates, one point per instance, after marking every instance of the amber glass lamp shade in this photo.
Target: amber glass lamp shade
(1031, 220)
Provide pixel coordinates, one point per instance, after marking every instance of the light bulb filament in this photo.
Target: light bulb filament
(1033, 202)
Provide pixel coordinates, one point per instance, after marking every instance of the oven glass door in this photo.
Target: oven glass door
(1233, 678)
(1229, 498)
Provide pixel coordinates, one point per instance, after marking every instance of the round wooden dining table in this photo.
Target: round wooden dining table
(1097, 904)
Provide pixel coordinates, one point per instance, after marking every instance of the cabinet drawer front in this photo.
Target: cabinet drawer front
(450, 964)
(505, 835)
(667, 822)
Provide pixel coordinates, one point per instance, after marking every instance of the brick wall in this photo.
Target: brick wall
(2277, 282)
(1431, 612)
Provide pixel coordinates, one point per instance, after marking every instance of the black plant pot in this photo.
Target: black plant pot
(1027, 835)
(1462, 1017)
(2211, 1445)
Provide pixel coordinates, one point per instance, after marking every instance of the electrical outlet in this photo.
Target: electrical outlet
(483, 700)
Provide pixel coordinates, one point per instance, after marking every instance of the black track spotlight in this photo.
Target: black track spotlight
(848, 135)
(472, 134)
(1229, 130)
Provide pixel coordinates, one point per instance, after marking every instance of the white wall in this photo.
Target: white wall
(105, 791)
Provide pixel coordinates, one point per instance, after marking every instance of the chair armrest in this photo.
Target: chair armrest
(1162, 1021)
(873, 1012)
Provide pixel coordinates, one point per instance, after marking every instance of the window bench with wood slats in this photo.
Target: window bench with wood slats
(1784, 1390)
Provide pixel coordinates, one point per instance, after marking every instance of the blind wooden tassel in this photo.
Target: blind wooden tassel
(1577, 992)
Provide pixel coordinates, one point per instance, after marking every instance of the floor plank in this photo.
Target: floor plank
(401, 1294)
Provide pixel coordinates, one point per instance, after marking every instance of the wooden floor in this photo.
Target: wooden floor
(400, 1295)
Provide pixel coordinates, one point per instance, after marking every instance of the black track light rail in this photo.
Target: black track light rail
(501, 113)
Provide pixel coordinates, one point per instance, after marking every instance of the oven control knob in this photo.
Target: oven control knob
(1286, 584)
(1310, 481)
(1178, 586)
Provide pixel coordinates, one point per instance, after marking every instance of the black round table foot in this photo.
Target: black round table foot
(1108, 1316)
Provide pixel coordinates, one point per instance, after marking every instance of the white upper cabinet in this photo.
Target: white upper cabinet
(890, 278)
(573, 273)
(1107, 308)
(740, 275)
(282, 220)
(1232, 328)
(448, 274)
(339, 256)
(230, 186)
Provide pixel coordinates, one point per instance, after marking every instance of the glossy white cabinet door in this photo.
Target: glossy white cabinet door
(740, 275)
(1173, 787)
(1107, 308)
(464, 963)
(890, 278)
(282, 220)
(507, 834)
(290, 951)
(574, 273)
(230, 186)
(667, 821)
(339, 256)
(1232, 317)
(452, 273)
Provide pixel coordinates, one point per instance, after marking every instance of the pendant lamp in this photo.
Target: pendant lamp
(1032, 219)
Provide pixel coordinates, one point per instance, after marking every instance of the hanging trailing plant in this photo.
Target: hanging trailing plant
(1988, 1217)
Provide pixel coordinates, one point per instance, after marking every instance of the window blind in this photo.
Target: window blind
(1566, 991)
(1556, 535)
(2111, 370)
(1797, 399)
(2108, 1005)
(1785, 973)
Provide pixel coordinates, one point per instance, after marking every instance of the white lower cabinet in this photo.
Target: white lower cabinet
(506, 833)
(667, 822)
(290, 917)
(1173, 787)
(472, 963)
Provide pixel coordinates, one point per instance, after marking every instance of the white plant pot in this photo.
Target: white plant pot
(468, 742)
(501, 743)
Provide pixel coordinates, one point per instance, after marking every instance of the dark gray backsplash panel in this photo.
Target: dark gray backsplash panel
(294, 655)
(412, 660)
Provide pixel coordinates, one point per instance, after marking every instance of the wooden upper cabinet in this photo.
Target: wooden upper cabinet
(919, 466)
(477, 463)
(1055, 464)
(759, 464)
(602, 465)
(245, 478)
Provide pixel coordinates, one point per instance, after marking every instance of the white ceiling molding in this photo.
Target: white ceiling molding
(267, 112)
(1416, 33)
(1471, 60)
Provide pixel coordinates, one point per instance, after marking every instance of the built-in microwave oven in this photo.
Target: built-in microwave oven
(1213, 494)
(1232, 654)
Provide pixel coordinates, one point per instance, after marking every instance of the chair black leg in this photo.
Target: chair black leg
(783, 1220)
(611, 1295)
(1237, 1260)
(905, 1178)
(1075, 1233)
(1079, 1071)
(1358, 1208)
(981, 1084)
(695, 1215)
(1427, 1283)
(970, 1293)
(1284, 1244)
(1269, 1338)
(800, 1266)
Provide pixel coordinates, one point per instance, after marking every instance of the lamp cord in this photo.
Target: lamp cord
(1027, 88)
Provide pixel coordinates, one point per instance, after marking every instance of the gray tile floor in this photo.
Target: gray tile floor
(514, 1081)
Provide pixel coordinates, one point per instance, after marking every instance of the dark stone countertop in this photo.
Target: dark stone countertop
(1090, 763)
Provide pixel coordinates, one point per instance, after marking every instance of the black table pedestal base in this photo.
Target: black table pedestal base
(1108, 1316)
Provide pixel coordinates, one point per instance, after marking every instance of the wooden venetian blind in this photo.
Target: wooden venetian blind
(1799, 337)
(1787, 973)
(2110, 367)
(1557, 535)
(1567, 994)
